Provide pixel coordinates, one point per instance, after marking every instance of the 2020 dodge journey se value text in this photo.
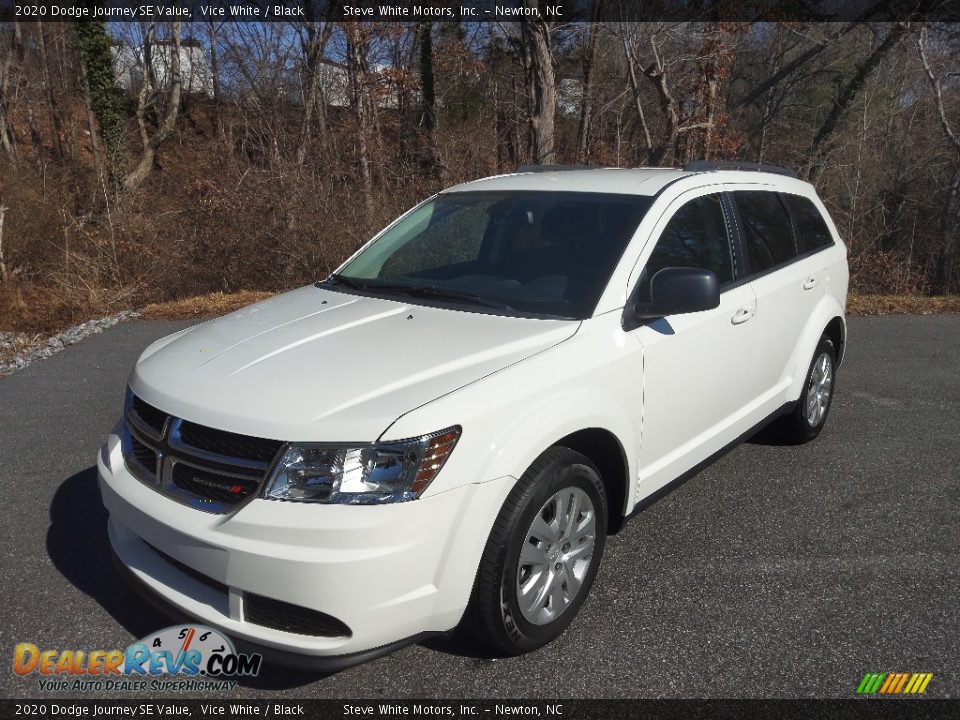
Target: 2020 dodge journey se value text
(445, 430)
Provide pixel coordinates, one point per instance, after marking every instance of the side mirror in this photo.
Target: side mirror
(676, 290)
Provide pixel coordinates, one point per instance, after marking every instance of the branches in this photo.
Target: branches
(846, 96)
(937, 88)
(149, 142)
(802, 59)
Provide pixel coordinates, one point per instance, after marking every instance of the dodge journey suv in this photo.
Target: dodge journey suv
(444, 431)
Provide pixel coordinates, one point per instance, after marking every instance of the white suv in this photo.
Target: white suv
(446, 429)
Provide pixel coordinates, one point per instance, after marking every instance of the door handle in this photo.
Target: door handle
(742, 315)
(810, 283)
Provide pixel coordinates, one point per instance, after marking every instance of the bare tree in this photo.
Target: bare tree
(4, 277)
(7, 68)
(315, 36)
(541, 87)
(946, 257)
(586, 100)
(818, 147)
(656, 71)
(150, 142)
(362, 105)
(784, 70)
(53, 103)
(429, 102)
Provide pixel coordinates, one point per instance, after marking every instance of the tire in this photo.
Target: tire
(495, 616)
(808, 417)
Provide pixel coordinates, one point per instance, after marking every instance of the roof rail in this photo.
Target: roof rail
(706, 165)
(555, 168)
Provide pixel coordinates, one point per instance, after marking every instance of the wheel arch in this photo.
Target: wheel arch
(836, 330)
(826, 319)
(604, 450)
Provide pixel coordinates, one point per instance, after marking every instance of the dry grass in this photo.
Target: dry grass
(203, 306)
(902, 305)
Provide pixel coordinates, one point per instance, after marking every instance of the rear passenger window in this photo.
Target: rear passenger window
(695, 237)
(766, 229)
(813, 230)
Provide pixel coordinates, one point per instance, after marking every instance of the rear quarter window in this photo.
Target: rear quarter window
(811, 227)
(766, 229)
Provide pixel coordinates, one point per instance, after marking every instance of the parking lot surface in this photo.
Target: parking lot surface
(776, 572)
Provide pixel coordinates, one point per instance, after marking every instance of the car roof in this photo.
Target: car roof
(625, 181)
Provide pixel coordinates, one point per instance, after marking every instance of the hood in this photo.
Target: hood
(320, 365)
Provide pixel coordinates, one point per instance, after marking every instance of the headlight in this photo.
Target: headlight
(382, 473)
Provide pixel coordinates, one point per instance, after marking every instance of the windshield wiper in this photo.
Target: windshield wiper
(441, 293)
(350, 282)
(420, 291)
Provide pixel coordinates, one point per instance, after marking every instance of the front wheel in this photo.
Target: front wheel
(542, 554)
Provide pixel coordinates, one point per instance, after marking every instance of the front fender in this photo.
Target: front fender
(510, 417)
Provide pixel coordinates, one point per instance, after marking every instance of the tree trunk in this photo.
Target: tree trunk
(429, 113)
(946, 258)
(105, 98)
(656, 72)
(357, 61)
(3, 266)
(586, 100)
(314, 49)
(215, 65)
(541, 88)
(634, 82)
(7, 138)
(53, 106)
(150, 143)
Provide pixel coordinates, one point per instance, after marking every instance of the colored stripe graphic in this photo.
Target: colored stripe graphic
(871, 683)
(894, 683)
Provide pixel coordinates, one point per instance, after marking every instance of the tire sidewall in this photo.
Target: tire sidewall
(521, 633)
(824, 346)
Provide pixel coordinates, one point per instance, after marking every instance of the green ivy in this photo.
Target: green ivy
(106, 98)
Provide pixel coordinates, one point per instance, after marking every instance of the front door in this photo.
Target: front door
(698, 379)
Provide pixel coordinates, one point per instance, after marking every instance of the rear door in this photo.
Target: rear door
(787, 281)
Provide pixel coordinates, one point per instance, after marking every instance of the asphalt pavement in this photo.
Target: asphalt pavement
(776, 572)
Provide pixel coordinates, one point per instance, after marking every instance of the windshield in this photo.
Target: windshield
(522, 252)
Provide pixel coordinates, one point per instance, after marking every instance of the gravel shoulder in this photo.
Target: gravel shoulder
(18, 350)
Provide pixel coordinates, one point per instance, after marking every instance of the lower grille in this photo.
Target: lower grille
(267, 612)
(146, 456)
(280, 615)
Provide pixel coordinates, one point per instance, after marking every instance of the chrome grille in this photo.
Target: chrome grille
(209, 469)
(151, 417)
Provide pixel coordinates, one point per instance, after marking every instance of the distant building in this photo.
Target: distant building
(335, 83)
(195, 75)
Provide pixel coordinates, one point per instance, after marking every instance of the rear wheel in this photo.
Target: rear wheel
(807, 419)
(542, 554)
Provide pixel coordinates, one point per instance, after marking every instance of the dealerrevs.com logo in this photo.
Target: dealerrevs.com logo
(181, 657)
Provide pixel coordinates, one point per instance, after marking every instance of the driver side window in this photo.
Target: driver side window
(695, 237)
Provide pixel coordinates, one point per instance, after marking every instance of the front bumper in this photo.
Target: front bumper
(391, 573)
